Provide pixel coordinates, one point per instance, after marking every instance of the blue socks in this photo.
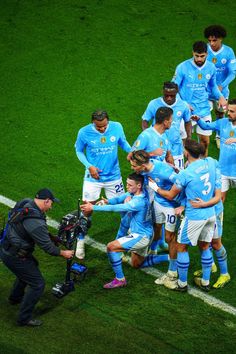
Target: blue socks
(221, 256)
(153, 259)
(116, 263)
(206, 259)
(183, 265)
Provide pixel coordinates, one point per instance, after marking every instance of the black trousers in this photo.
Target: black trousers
(27, 275)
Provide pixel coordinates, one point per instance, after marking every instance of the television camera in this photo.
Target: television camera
(71, 227)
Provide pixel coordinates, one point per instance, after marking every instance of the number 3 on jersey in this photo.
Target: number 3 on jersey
(207, 183)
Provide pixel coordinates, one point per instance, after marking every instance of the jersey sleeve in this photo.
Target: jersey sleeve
(141, 142)
(123, 143)
(148, 115)
(132, 205)
(215, 92)
(80, 145)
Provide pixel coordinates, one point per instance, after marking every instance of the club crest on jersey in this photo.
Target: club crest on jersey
(223, 60)
(137, 143)
(199, 76)
(208, 76)
(214, 60)
(112, 139)
(179, 113)
(103, 139)
(231, 134)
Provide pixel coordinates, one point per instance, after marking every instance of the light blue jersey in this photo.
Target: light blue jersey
(195, 84)
(139, 210)
(165, 177)
(101, 150)
(180, 111)
(226, 130)
(199, 180)
(150, 140)
(223, 60)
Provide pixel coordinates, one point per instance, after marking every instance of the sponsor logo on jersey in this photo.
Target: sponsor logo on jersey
(208, 76)
(103, 139)
(199, 76)
(137, 143)
(214, 60)
(231, 134)
(223, 60)
(112, 139)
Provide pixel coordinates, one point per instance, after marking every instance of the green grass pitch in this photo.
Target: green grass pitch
(61, 60)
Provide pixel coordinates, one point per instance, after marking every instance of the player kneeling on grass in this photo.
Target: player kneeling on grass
(141, 230)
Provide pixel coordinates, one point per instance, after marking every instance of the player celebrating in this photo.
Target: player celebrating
(223, 58)
(97, 148)
(181, 112)
(196, 79)
(140, 230)
(227, 131)
(201, 179)
(154, 140)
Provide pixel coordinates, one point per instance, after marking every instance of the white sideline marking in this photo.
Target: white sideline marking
(210, 300)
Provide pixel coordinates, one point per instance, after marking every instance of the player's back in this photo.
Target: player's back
(141, 220)
(199, 180)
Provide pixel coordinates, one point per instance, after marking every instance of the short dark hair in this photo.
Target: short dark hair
(170, 85)
(162, 114)
(215, 31)
(99, 115)
(200, 47)
(140, 157)
(232, 101)
(136, 177)
(194, 148)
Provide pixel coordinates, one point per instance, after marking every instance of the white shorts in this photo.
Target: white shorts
(200, 131)
(192, 231)
(135, 243)
(218, 226)
(227, 182)
(165, 215)
(92, 190)
(182, 130)
(179, 161)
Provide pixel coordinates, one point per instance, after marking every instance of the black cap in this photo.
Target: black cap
(46, 194)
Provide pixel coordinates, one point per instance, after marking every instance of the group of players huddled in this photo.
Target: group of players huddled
(174, 196)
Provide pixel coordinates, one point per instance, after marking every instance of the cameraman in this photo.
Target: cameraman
(17, 254)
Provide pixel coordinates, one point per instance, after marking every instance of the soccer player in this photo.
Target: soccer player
(223, 58)
(201, 179)
(196, 79)
(164, 209)
(154, 140)
(141, 230)
(227, 159)
(181, 112)
(97, 148)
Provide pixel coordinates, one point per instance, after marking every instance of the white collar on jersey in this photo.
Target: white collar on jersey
(213, 52)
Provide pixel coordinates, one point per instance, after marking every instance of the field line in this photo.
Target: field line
(210, 300)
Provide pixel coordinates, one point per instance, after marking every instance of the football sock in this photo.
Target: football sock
(153, 259)
(182, 265)
(116, 263)
(206, 259)
(221, 256)
(172, 265)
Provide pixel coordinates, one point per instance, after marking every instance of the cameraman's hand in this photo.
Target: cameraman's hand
(67, 253)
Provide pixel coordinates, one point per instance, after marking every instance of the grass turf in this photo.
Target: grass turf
(60, 60)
